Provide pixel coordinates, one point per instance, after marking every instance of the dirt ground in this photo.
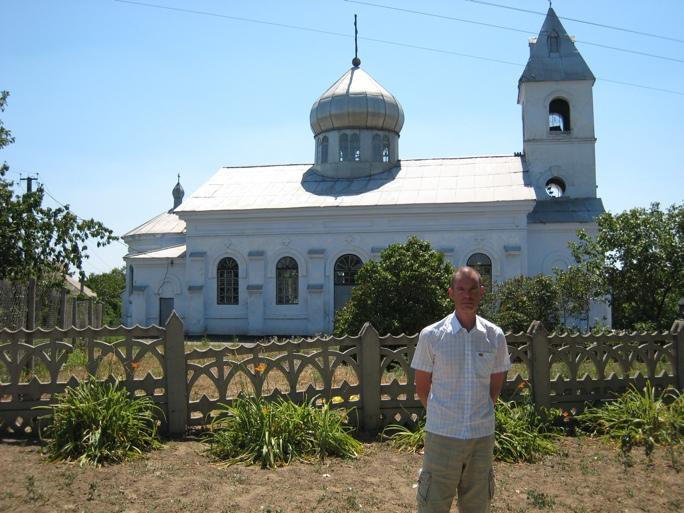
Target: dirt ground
(586, 476)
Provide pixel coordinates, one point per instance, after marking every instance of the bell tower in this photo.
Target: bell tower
(555, 92)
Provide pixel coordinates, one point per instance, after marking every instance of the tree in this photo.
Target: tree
(402, 292)
(515, 303)
(639, 256)
(108, 287)
(39, 241)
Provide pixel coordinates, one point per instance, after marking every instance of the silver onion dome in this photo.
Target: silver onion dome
(356, 100)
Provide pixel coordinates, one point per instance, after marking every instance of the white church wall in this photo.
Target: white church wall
(153, 280)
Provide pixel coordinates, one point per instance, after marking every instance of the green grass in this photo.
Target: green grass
(100, 423)
(405, 439)
(253, 431)
(638, 418)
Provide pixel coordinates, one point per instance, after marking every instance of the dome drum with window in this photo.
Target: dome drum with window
(356, 125)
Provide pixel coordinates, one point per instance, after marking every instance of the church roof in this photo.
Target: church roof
(566, 210)
(558, 59)
(356, 100)
(412, 182)
(170, 252)
(166, 222)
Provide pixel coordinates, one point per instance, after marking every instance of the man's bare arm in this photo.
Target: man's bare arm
(423, 385)
(496, 382)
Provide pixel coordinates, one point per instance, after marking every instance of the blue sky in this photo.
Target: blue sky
(111, 100)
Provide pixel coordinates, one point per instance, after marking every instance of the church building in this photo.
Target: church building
(275, 249)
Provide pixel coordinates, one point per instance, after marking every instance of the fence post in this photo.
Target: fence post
(91, 319)
(369, 366)
(176, 381)
(30, 322)
(677, 332)
(63, 311)
(539, 360)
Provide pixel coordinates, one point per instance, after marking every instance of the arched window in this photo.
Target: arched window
(554, 42)
(377, 148)
(344, 148)
(385, 148)
(287, 281)
(227, 282)
(559, 116)
(482, 264)
(346, 268)
(324, 149)
(355, 147)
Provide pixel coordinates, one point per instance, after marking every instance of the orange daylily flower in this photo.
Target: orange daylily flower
(260, 367)
(134, 365)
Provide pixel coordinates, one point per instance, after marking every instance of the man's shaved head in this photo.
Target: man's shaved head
(465, 271)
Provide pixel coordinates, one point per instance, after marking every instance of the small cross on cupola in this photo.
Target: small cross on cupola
(356, 62)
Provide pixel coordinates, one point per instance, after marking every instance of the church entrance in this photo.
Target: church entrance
(165, 309)
(346, 268)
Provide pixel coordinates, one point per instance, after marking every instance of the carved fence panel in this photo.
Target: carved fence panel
(37, 364)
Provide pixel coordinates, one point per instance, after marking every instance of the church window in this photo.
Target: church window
(482, 264)
(324, 149)
(385, 148)
(377, 148)
(346, 268)
(559, 116)
(555, 187)
(287, 281)
(355, 147)
(227, 282)
(554, 42)
(344, 148)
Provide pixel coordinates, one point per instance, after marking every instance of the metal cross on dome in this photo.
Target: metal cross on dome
(356, 62)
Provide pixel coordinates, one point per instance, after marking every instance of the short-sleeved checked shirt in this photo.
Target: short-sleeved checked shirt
(461, 362)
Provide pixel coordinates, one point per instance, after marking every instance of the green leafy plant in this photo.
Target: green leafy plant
(638, 418)
(251, 430)
(405, 439)
(521, 433)
(98, 423)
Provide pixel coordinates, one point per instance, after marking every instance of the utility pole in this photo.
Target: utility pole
(29, 183)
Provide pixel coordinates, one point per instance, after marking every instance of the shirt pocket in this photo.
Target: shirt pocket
(483, 362)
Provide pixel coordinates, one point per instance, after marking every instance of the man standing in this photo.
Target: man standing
(461, 364)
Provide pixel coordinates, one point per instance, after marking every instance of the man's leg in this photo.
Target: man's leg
(476, 488)
(438, 480)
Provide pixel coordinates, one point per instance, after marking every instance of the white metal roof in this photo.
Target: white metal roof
(414, 182)
(170, 252)
(166, 222)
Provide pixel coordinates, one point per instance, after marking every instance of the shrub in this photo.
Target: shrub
(407, 440)
(521, 433)
(403, 292)
(100, 423)
(638, 418)
(273, 434)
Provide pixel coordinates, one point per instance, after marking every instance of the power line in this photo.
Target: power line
(586, 22)
(382, 41)
(511, 29)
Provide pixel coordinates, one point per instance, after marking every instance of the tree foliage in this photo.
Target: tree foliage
(402, 292)
(39, 241)
(638, 255)
(108, 287)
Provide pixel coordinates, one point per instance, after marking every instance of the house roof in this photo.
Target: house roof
(411, 182)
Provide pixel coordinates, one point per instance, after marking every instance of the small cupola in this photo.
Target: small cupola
(356, 125)
(178, 194)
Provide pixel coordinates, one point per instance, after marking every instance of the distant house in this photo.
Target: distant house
(76, 288)
(275, 249)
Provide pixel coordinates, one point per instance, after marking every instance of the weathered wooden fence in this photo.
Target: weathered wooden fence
(29, 305)
(368, 373)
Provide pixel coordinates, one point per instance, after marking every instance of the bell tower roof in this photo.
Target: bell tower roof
(553, 55)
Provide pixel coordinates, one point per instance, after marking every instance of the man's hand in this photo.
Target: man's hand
(423, 385)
